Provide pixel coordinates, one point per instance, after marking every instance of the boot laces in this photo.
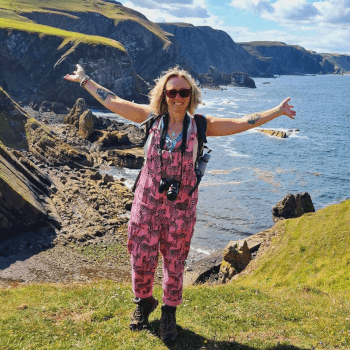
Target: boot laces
(167, 321)
(138, 314)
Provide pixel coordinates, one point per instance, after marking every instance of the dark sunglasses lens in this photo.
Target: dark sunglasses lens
(183, 93)
(171, 93)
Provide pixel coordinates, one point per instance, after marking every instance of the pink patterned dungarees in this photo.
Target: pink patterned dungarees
(157, 223)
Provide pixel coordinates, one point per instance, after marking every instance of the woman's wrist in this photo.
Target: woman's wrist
(84, 81)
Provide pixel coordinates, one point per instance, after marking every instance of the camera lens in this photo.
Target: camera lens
(173, 191)
(163, 185)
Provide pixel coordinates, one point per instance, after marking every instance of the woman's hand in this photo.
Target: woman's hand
(286, 108)
(77, 75)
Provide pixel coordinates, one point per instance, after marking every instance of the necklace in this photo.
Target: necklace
(175, 128)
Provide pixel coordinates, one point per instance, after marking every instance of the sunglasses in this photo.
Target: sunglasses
(173, 92)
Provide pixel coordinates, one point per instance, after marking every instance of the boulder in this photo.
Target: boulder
(214, 78)
(242, 79)
(276, 133)
(236, 258)
(129, 158)
(86, 124)
(106, 178)
(74, 114)
(292, 206)
(96, 176)
(114, 139)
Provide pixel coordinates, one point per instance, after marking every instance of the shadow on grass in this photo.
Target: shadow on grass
(188, 340)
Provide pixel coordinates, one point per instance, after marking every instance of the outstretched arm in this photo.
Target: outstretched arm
(129, 110)
(227, 126)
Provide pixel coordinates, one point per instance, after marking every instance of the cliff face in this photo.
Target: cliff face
(341, 63)
(23, 189)
(33, 67)
(203, 47)
(280, 58)
(150, 51)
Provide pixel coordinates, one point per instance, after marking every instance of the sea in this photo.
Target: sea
(250, 172)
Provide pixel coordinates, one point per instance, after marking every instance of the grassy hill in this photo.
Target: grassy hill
(15, 10)
(311, 251)
(296, 296)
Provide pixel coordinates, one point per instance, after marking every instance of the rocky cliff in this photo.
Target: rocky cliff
(341, 63)
(150, 49)
(24, 189)
(33, 66)
(203, 47)
(280, 58)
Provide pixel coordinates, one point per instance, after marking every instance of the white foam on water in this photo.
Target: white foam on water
(126, 173)
(200, 250)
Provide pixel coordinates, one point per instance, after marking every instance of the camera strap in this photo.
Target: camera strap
(185, 125)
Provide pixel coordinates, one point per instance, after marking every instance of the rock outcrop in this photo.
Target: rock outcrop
(221, 266)
(124, 139)
(213, 79)
(277, 133)
(236, 256)
(292, 206)
(24, 189)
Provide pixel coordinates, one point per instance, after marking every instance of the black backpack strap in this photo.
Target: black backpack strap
(185, 126)
(201, 123)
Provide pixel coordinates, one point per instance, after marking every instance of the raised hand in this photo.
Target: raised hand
(77, 75)
(287, 109)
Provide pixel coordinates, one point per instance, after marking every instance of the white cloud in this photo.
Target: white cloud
(252, 5)
(286, 12)
(191, 11)
(291, 10)
(334, 11)
(320, 39)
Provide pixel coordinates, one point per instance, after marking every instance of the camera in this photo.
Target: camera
(171, 186)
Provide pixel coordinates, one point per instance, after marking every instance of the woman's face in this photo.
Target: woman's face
(177, 104)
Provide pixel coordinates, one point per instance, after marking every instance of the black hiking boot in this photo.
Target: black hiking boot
(167, 329)
(139, 318)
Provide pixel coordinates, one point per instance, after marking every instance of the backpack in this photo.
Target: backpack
(201, 124)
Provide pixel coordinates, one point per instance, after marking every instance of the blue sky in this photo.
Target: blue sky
(321, 25)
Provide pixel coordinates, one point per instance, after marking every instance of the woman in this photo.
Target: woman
(159, 221)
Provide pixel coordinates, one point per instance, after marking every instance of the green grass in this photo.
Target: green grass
(96, 316)
(17, 9)
(296, 297)
(310, 251)
(68, 37)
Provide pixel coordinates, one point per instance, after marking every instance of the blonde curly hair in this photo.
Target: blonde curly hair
(157, 96)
